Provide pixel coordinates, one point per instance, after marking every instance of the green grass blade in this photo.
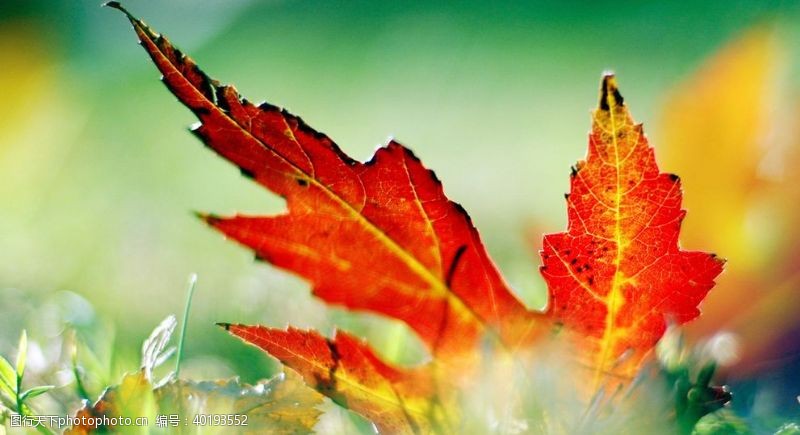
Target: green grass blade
(36, 391)
(22, 355)
(8, 377)
(189, 297)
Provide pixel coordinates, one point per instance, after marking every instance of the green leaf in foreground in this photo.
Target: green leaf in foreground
(8, 378)
(723, 421)
(35, 391)
(22, 355)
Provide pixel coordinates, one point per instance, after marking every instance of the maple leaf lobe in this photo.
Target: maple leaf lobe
(345, 369)
(378, 236)
(618, 272)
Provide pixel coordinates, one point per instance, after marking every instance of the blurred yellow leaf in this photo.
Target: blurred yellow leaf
(281, 405)
(39, 125)
(132, 398)
(713, 128)
(724, 131)
(26, 68)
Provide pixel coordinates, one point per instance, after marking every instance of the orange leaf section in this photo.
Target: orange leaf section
(346, 370)
(129, 399)
(378, 236)
(618, 275)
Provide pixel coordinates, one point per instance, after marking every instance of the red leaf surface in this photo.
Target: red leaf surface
(618, 275)
(345, 369)
(378, 236)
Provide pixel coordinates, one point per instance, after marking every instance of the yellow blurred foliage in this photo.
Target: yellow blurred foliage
(37, 126)
(723, 132)
(712, 132)
(40, 119)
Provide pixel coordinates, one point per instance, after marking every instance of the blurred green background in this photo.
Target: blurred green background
(98, 175)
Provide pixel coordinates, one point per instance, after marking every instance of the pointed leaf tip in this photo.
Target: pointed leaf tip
(208, 218)
(22, 355)
(118, 6)
(609, 93)
(223, 325)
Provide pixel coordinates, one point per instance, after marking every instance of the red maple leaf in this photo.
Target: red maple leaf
(381, 236)
(617, 275)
